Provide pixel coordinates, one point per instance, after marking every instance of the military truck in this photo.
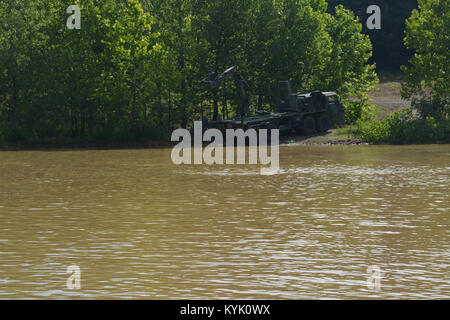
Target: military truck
(304, 113)
(260, 120)
(309, 112)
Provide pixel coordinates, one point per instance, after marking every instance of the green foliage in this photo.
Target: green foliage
(356, 110)
(133, 70)
(434, 107)
(428, 76)
(404, 127)
(427, 33)
(348, 70)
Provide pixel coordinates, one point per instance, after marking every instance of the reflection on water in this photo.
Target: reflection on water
(140, 227)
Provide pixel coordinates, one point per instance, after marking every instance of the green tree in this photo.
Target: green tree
(21, 22)
(135, 67)
(174, 21)
(135, 57)
(427, 32)
(348, 70)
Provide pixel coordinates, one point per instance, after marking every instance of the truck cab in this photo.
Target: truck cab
(311, 111)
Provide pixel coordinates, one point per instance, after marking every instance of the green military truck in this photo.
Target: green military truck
(303, 113)
(309, 112)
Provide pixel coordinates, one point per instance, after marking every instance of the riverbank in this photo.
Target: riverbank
(345, 136)
(340, 136)
(332, 137)
(87, 146)
(386, 99)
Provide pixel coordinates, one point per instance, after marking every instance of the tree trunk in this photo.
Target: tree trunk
(133, 107)
(15, 104)
(225, 106)
(182, 65)
(90, 120)
(83, 123)
(183, 104)
(160, 105)
(260, 102)
(169, 118)
(74, 126)
(216, 106)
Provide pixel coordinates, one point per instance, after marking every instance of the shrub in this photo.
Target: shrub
(358, 110)
(404, 127)
(434, 107)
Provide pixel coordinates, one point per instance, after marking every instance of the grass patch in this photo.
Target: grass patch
(350, 131)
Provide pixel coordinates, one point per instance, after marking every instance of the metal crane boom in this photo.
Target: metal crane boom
(240, 83)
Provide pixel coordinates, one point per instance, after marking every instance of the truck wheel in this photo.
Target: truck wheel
(323, 123)
(308, 125)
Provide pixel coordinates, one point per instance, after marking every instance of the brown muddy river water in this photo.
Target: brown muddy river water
(140, 227)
